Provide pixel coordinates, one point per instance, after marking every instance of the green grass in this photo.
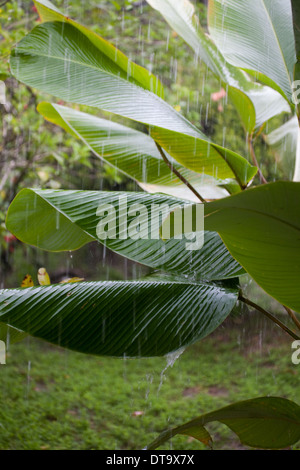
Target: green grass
(57, 399)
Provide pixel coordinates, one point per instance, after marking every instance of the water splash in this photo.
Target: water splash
(171, 359)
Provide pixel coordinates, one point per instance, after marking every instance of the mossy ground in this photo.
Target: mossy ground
(57, 399)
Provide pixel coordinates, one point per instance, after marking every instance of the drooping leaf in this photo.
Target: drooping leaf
(255, 103)
(66, 220)
(50, 59)
(119, 318)
(261, 229)
(257, 36)
(48, 12)
(132, 152)
(283, 142)
(263, 423)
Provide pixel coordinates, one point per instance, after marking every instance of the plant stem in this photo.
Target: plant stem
(254, 159)
(298, 114)
(293, 316)
(269, 315)
(179, 175)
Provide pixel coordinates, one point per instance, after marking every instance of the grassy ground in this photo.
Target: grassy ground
(58, 399)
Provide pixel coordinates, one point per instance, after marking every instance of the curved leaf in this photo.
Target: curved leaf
(283, 141)
(50, 59)
(261, 229)
(258, 37)
(48, 12)
(255, 103)
(267, 103)
(132, 152)
(264, 423)
(119, 318)
(65, 220)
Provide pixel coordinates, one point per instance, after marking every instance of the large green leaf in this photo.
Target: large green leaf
(59, 59)
(48, 12)
(257, 36)
(66, 220)
(261, 229)
(255, 103)
(132, 152)
(264, 423)
(119, 318)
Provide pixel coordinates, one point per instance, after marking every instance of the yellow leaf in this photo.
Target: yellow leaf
(27, 281)
(72, 279)
(43, 277)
